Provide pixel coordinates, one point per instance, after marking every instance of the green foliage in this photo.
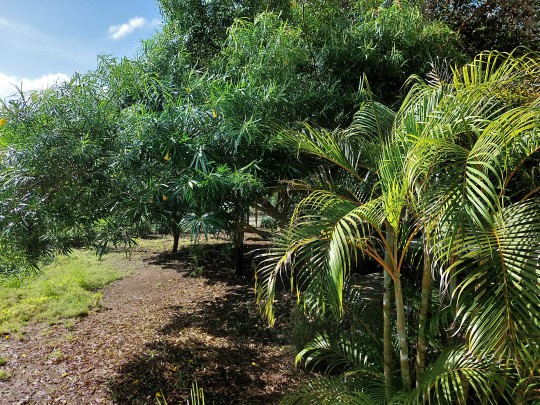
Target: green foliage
(54, 168)
(331, 390)
(448, 168)
(202, 25)
(501, 25)
(197, 394)
(148, 140)
(444, 379)
(68, 287)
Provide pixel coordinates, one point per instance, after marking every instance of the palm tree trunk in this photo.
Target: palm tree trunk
(387, 329)
(400, 314)
(402, 334)
(424, 306)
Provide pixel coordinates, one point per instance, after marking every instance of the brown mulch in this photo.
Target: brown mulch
(158, 330)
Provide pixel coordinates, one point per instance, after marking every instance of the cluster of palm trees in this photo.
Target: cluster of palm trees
(448, 186)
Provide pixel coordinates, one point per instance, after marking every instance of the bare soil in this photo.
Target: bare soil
(157, 331)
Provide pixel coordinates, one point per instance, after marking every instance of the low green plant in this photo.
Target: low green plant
(196, 395)
(65, 288)
(268, 222)
(56, 355)
(2, 361)
(196, 259)
(4, 375)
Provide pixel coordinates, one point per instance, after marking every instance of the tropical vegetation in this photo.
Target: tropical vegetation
(449, 184)
(369, 136)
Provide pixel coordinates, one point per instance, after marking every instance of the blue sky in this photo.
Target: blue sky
(42, 41)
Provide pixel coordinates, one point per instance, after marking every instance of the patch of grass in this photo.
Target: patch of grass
(56, 355)
(2, 361)
(65, 288)
(4, 375)
(161, 243)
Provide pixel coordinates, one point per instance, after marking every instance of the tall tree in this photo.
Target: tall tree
(55, 164)
(201, 26)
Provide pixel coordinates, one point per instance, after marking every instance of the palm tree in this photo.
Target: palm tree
(358, 207)
(454, 166)
(473, 166)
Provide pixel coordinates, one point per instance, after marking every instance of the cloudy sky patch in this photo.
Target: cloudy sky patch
(9, 84)
(39, 38)
(119, 31)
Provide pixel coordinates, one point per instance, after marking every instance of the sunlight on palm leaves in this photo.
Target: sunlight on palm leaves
(451, 170)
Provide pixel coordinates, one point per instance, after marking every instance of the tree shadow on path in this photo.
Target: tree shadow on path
(216, 338)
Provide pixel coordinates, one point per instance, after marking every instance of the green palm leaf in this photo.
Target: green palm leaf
(330, 391)
(498, 298)
(344, 353)
(456, 368)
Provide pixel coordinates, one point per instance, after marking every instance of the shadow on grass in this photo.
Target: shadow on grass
(220, 341)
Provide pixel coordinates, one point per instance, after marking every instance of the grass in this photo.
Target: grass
(56, 355)
(66, 288)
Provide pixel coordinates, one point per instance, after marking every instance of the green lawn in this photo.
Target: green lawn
(66, 288)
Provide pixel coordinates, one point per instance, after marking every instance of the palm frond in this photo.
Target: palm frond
(344, 353)
(446, 380)
(498, 296)
(330, 391)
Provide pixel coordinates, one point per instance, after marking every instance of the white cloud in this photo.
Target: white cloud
(156, 22)
(120, 31)
(8, 84)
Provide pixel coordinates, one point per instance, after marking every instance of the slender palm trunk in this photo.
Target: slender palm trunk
(387, 330)
(424, 306)
(402, 335)
(400, 314)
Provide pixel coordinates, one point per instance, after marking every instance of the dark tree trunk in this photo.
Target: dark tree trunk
(176, 239)
(239, 251)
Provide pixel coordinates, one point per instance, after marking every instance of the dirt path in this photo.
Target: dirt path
(159, 330)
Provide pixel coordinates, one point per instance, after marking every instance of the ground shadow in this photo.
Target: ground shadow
(214, 259)
(220, 341)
